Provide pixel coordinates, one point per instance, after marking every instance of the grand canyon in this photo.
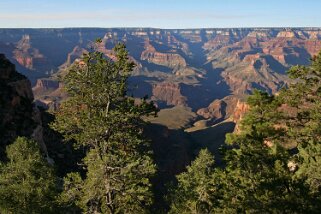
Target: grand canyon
(197, 77)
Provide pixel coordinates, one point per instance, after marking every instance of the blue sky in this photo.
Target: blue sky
(160, 13)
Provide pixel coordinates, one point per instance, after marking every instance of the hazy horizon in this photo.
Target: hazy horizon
(156, 28)
(163, 14)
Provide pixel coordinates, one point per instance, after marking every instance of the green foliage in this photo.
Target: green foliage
(259, 165)
(27, 183)
(263, 173)
(195, 192)
(305, 121)
(100, 117)
(268, 176)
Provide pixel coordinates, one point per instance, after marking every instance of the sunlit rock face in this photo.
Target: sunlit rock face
(170, 93)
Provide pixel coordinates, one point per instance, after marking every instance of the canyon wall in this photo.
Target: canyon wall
(18, 114)
(208, 70)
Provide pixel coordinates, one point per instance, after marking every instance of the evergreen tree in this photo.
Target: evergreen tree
(27, 182)
(303, 122)
(264, 172)
(101, 118)
(274, 163)
(196, 191)
(258, 178)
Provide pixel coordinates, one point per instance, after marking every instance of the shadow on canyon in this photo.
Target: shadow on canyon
(212, 86)
(208, 89)
(173, 150)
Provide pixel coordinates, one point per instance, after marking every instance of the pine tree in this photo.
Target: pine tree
(100, 117)
(196, 191)
(257, 172)
(304, 122)
(273, 166)
(27, 183)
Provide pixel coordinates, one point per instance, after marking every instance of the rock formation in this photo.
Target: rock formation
(44, 85)
(170, 60)
(231, 107)
(29, 57)
(170, 93)
(18, 115)
(204, 69)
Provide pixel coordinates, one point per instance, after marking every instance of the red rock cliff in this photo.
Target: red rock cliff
(170, 93)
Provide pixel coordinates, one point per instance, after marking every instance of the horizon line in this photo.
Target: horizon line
(157, 28)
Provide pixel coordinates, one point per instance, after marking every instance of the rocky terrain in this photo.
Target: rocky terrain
(18, 114)
(199, 79)
(207, 71)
